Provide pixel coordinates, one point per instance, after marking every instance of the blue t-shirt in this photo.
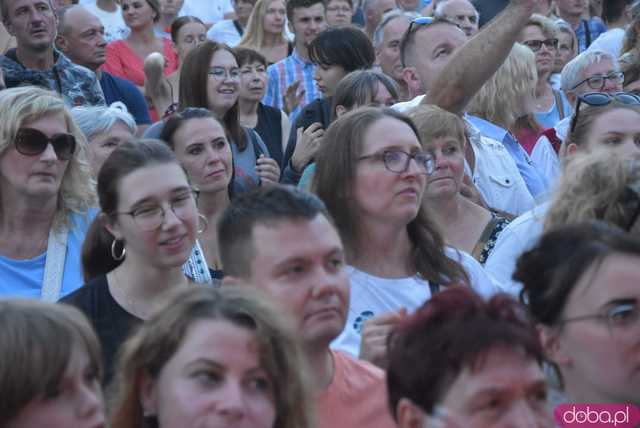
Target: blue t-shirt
(117, 89)
(23, 278)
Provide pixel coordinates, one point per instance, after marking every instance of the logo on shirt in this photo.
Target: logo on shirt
(358, 323)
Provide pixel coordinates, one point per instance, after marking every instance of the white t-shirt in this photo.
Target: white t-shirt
(114, 26)
(371, 296)
(610, 42)
(224, 32)
(544, 156)
(210, 12)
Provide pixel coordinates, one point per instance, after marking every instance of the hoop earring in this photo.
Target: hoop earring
(206, 223)
(113, 251)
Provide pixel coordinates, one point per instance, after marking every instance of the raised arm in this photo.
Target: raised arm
(476, 61)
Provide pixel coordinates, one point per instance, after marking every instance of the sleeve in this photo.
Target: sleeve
(272, 95)
(114, 64)
(480, 280)
(136, 104)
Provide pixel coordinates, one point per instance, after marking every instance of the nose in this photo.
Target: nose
(326, 282)
(170, 218)
(231, 404)
(49, 154)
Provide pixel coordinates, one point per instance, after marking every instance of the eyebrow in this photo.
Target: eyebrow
(494, 390)
(154, 198)
(297, 259)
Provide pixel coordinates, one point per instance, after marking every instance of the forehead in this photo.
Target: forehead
(604, 66)
(153, 181)
(79, 18)
(389, 132)
(192, 28)
(338, 3)
(308, 12)
(621, 120)
(396, 27)
(15, 4)
(617, 277)
(459, 7)
(222, 58)
(532, 32)
(439, 34)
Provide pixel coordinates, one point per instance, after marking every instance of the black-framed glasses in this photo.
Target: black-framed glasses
(31, 142)
(621, 317)
(536, 45)
(397, 161)
(150, 217)
(597, 82)
(599, 99)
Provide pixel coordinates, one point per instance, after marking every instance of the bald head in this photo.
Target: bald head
(81, 37)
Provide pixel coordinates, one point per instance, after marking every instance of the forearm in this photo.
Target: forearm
(478, 59)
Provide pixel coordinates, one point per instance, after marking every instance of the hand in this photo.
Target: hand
(292, 97)
(469, 191)
(373, 346)
(307, 145)
(267, 169)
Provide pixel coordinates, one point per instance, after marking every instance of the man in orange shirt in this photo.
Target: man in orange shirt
(281, 240)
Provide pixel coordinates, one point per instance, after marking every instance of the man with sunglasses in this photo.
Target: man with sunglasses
(36, 62)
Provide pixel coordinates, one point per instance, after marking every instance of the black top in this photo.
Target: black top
(111, 321)
(269, 127)
(488, 9)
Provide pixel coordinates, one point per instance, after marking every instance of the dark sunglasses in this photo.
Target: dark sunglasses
(31, 142)
(536, 45)
(599, 99)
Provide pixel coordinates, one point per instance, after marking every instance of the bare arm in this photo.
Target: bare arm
(475, 62)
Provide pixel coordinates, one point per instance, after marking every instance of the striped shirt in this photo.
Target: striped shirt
(283, 74)
(588, 31)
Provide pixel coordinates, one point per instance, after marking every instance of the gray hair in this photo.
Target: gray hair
(572, 73)
(378, 34)
(99, 119)
(439, 10)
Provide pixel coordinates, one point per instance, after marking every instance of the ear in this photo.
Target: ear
(112, 227)
(572, 148)
(571, 97)
(340, 110)
(409, 415)
(411, 78)
(148, 395)
(552, 345)
(61, 44)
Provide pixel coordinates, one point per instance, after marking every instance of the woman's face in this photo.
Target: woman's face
(338, 13)
(618, 130)
(611, 338)
(566, 51)
(379, 193)
(190, 36)
(101, 145)
(223, 83)
(137, 13)
(39, 175)
(275, 17)
(447, 177)
(383, 97)
(243, 9)
(327, 78)
(214, 380)
(76, 402)
(545, 56)
(253, 81)
(203, 150)
(140, 194)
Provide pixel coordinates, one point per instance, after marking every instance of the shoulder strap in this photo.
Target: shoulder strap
(434, 287)
(238, 27)
(484, 237)
(587, 33)
(54, 265)
(559, 103)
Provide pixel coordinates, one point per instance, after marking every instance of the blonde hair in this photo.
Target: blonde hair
(546, 25)
(433, 122)
(159, 338)
(21, 105)
(253, 37)
(501, 97)
(593, 187)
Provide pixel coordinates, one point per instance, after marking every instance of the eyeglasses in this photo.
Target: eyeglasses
(397, 161)
(597, 82)
(599, 99)
(151, 217)
(621, 318)
(220, 74)
(419, 22)
(536, 45)
(31, 142)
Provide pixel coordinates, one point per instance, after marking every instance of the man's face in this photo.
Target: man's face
(32, 22)
(388, 53)
(300, 263)
(571, 7)
(83, 41)
(307, 23)
(464, 14)
(435, 45)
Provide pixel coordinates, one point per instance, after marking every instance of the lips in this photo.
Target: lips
(324, 312)
(174, 243)
(216, 173)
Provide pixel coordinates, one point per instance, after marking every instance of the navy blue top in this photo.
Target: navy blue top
(117, 89)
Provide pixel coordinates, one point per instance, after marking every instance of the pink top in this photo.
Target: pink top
(356, 398)
(123, 62)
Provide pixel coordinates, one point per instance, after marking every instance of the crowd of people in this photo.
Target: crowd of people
(317, 213)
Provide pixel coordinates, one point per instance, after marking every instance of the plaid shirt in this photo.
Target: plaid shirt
(283, 74)
(596, 27)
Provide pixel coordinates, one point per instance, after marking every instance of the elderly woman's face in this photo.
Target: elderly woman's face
(35, 175)
(101, 145)
(448, 153)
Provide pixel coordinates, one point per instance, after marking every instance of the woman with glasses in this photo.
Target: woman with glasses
(46, 195)
(372, 171)
(581, 287)
(549, 106)
(137, 246)
(567, 50)
(200, 143)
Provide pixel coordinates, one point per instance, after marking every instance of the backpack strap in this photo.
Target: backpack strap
(559, 103)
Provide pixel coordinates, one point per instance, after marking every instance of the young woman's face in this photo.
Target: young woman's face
(275, 17)
(137, 13)
(609, 337)
(383, 97)
(190, 36)
(327, 78)
(76, 402)
(101, 145)
(446, 180)
(214, 380)
(617, 130)
(379, 193)
(144, 195)
(223, 83)
(203, 150)
(253, 81)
